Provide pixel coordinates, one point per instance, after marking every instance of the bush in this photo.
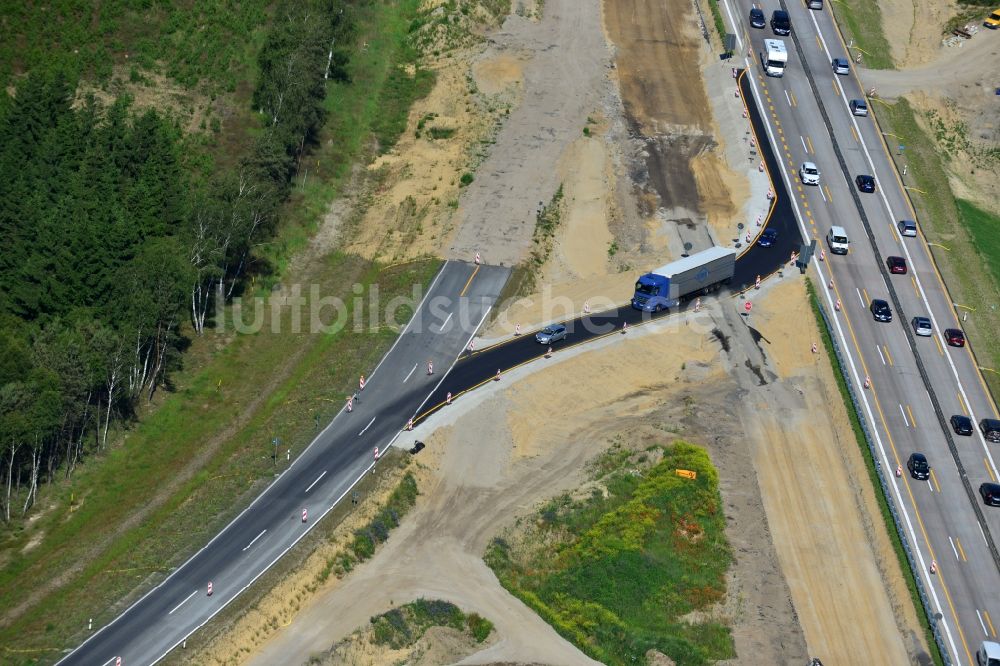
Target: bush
(466, 179)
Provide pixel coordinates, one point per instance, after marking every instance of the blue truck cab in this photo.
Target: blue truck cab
(669, 285)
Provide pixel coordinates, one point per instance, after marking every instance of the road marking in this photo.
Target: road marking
(803, 143)
(311, 485)
(982, 532)
(821, 194)
(903, 412)
(938, 343)
(828, 195)
(788, 99)
(819, 44)
(446, 321)
(889, 356)
(366, 427)
(910, 412)
(962, 405)
(981, 624)
(860, 297)
(937, 486)
(468, 282)
(953, 549)
(855, 133)
(989, 470)
(879, 350)
(915, 290)
(245, 548)
(986, 614)
(809, 141)
(410, 372)
(834, 84)
(181, 603)
(961, 551)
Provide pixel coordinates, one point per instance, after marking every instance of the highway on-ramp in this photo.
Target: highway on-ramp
(458, 300)
(909, 385)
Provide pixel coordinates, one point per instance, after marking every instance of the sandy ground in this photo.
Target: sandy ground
(913, 29)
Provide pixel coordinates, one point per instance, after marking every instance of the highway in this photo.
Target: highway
(455, 305)
(916, 383)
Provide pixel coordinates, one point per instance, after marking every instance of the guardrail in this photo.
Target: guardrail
(932, 616)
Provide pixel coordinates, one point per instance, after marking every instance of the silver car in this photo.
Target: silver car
(907, 228)
(550, 334)
(922, 327)
(809, 174)
(840, 66)
(859, 107)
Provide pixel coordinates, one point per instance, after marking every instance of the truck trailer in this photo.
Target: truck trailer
(774, 57)
(699, 274)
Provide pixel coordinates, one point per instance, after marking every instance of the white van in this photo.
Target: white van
(988, 654)
(837, 240)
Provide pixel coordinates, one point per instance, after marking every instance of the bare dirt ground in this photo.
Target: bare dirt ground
(913, 29)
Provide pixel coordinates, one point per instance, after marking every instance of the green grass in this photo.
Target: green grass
(866, 454)
(404, 626)
(720, 25)
(214, 403)
(968, 265)
(861, 20)
(617, 572)
(367, 538)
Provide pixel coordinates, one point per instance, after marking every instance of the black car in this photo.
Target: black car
(881, 310)
(991, 429)
(780, 23)
(865, 183)
(768, 238)
(961, 424)
(990, 493)
(919, 469)
(757, 19)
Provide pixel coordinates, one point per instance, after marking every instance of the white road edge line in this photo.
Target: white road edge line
(983, 533)
(185, 601)
(915, 544)
(316, 481)
(953, 549)
(878, 348)
(446, 321)
(262, 532)
(412, 370)
(362, 431)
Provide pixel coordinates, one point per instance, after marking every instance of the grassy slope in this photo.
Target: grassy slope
(861, 23)
(212, 404)
(616, 574)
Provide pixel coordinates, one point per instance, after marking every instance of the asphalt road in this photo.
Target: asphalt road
(458, 300)
(400, 388)
(916, 383)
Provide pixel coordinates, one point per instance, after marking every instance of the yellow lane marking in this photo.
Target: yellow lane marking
(961, 403)
(829, 196)
(791, 96)
(469, 282)
(986, 614)
(937, 486)
(913, 421)
(819, 44)
(776, 123)
(888, 356)
(810, 144)
(915, 290)
(834, 84)
(855, 133)
(938, 343)
(961, 551)
(989, 470)
(867, 300)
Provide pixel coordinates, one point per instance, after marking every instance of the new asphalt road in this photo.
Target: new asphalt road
(400, 388)
(914, 384)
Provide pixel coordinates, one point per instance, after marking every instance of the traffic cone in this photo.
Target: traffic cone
(697, 304)
(548, 354)
(497, 378)
(472, 345)
(830, 284)
(209, 588)
(517, 329)
(836, 306)
(447, 398)
(409, 424)
(757, 283)
(760, 167)
(822, 254)
(586, 307)
(624, 327)
(376, 453)
(350, 404)
(758, 220)
(305, 515)
(430, 367)
(868, 381)
(478, 259)
(814, 349)
(899, 471)
(933, 566)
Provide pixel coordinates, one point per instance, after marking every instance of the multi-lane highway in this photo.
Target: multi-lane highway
(455, 305)
(915, 383)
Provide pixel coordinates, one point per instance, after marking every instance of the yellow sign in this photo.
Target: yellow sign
(686, 473)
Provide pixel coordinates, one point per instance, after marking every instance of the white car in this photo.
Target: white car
(809, 174)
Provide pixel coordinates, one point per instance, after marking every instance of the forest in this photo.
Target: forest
(118, 241)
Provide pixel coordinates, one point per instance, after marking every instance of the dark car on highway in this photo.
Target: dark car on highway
(757, 19)
(991, 429)
(955, 337)
(781, 23)
(990, 493)
(550, 334)
(881, 310)
(917, 464)
(840, 66)
(961, 424)
(897, 265)
(865, 183)
(768, 238)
